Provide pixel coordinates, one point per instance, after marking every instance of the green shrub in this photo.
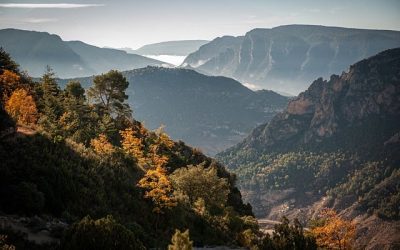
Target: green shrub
(104, 233)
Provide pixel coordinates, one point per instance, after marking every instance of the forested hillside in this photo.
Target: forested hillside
(336, 145)
(85, 175)
(210, 113)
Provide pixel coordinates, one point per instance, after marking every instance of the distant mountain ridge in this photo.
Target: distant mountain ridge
(211, 113)
(287, 58)
(35, 50)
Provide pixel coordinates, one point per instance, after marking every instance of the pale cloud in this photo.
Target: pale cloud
(47, 6)
(40, 20)
(336, 10)
(24, 21)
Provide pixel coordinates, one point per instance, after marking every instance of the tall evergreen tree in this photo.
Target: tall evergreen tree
(108, 93)
(75, 89)
(77, 120)
(50, 103)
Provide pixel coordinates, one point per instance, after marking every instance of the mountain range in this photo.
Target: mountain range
(287, 58)
(35, 50)
(211, 113)
(284, 59)
(335, 145)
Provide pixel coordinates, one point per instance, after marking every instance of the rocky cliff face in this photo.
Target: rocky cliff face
(335, 145)
(225, 46)
(287, 58)
(370, 89)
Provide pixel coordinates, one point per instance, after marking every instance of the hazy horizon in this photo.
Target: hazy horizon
(133, 24)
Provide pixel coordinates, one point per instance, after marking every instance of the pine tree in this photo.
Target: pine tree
(108, 93)
(50, 105)
(74, 99)
(75, 89)
(106, 125)
(77, 121)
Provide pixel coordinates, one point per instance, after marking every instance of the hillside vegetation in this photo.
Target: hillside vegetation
(336, 145)
(210, 113)
(88, 176)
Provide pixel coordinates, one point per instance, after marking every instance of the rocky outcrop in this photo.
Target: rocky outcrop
(370, 89)
(335, 145)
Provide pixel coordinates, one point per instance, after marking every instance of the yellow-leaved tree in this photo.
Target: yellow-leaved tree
(156, 182)
(102, 146)
(161, 145)
(334, 232)
(163, 138)
(9, 81)
(21, 107)
(158, 188)
(133, 145)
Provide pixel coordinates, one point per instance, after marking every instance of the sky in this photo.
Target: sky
(133, 23)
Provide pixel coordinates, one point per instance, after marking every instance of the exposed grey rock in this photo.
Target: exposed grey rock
(287, 58)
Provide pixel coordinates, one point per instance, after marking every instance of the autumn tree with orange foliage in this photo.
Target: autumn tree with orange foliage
(133, 145)
(333, 232)
(21, 107)
(158, 188)
(151, 156)
(9, 81)
(163, 138)
(160, 146)
(102, 146)
(156, 182)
